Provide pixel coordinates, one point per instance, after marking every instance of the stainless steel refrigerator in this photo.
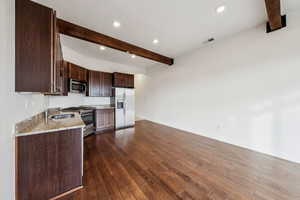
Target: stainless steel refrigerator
(124, 107)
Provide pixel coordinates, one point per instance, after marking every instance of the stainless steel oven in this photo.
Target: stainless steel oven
(88, 117)
(77, 87)
(89, 120)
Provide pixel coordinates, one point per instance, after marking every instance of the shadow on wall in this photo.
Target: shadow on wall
(278, 122)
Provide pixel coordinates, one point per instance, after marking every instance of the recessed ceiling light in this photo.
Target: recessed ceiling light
(102, 48)
(133, 55)
(116, 24)
(221, 9)
(155, 41)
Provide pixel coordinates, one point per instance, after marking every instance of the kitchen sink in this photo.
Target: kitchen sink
(61, 116)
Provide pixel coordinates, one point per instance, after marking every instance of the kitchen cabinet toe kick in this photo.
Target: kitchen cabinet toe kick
(67, 193)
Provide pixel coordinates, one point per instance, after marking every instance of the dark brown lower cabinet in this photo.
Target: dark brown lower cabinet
(105, 119)
(48, 165)
(38, 53)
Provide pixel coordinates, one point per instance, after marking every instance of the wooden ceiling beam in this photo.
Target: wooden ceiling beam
(276, 21)
(82, 33)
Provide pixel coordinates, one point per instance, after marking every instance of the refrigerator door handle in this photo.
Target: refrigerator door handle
(125, 106)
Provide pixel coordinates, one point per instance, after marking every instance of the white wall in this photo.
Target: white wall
(76, 100)
(243, 90)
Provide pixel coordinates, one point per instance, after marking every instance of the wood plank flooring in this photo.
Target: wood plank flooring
(155, 162)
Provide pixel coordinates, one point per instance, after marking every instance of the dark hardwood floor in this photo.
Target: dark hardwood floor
(161, 163)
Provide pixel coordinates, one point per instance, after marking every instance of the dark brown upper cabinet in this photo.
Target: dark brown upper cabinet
(77, 73)
(65, 78)
(99, 84)
(59, 76)
(38, 50)
(123, 80)
(106, 84)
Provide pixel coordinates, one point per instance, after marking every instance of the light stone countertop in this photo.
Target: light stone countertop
(38, 124)
(99, 107)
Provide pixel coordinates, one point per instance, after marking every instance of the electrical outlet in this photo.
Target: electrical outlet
(26, 104)
(220, 126)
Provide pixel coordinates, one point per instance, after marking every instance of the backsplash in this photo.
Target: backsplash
(76, 100)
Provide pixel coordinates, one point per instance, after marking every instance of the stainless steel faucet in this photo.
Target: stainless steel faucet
(46, 116)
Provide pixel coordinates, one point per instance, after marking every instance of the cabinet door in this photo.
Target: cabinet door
(82, 74)
(77, 73)
(34, 46)
(105, 119)
(119, 80)
(48, 164)
(59, 67)
(123, 80)
(107, 85)
(65, 79)
(111, 118)
(100, 120)
(130, 81)
(85, 75)
(100, 84)
(73, 72)
(93, 84)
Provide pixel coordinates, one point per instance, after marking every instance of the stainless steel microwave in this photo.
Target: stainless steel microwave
(77, 87)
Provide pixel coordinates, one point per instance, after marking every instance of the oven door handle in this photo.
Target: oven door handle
(86, 114)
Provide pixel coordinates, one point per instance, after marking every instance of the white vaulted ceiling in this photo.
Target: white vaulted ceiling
(180, 26)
